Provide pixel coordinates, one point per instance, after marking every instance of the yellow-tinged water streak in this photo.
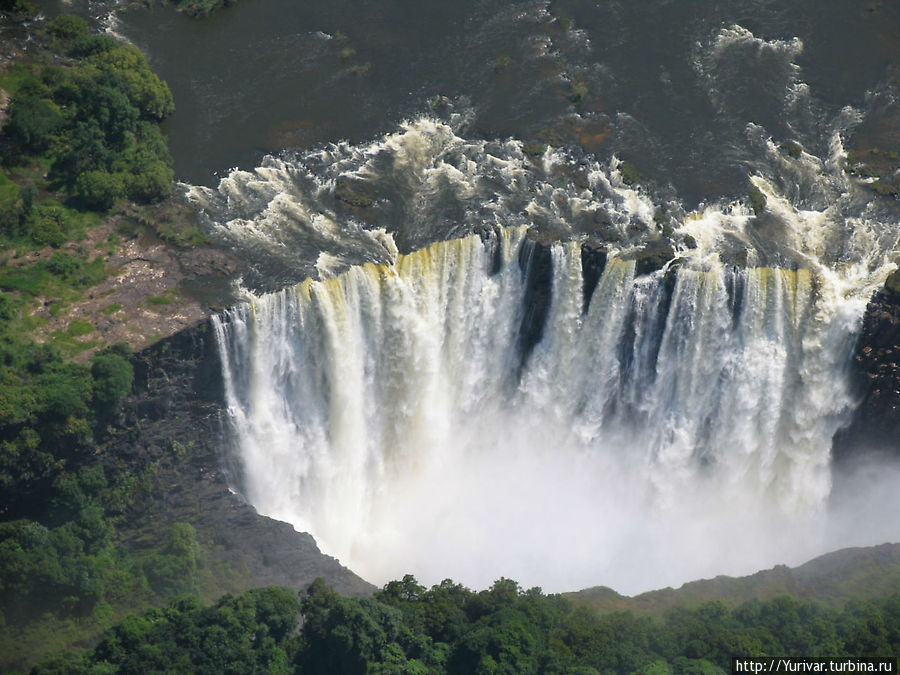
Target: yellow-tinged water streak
(389, 411)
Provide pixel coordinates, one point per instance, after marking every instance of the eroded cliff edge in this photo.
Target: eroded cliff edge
(172, 422)
(876, 424)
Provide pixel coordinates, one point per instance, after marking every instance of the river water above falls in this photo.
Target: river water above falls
(584, 280)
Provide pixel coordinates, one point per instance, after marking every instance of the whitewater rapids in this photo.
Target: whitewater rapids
(418, 417)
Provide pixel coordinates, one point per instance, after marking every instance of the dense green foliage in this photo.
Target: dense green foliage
(81, 135)
(92, 118)
(450, 629)
(55, 541)
(198, 8)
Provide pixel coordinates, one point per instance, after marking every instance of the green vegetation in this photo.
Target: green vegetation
(21, 8)
(630, 174)
(81, 136)
(171, 221)
(88, 113)
(55, 541)
(200, 8)
(502, 61)
(758, 200)
(450, 629)
(166, 299)
(579, 90)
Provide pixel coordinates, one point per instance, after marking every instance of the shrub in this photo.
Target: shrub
(68, 27)
(33, 122)
(100, 189)
(113, 375)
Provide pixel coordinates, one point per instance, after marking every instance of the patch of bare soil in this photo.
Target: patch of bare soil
(153, 291)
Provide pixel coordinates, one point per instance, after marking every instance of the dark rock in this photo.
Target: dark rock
(758, 200)
(175, 418)
(352, 192)
(593, 262)
(791, 149)
(892, 285)
(653, 256)
(534, 149)
(876, 423)
(536, 264)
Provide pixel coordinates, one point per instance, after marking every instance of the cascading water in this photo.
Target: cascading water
(662, 427)
(582, 381)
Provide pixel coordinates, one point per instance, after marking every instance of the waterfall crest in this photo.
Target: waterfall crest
(436, 416)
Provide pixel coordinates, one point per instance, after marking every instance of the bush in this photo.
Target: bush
(113, 375)
(63, 264)
(173, 571)
(33, 122)
(152, 184)
(89, 45)
(68, 27)
(20, 7)
(99, 189)
(50, 225)
(146, 92)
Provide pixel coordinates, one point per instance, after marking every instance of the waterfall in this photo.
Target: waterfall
(491, 406)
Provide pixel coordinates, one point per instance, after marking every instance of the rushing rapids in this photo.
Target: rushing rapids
(512, 360)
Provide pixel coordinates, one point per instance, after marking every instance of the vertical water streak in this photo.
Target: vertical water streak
(389, 412)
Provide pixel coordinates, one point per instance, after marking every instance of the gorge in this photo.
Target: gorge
(559, 405)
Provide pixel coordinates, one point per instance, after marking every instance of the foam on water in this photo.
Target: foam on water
(679, 426)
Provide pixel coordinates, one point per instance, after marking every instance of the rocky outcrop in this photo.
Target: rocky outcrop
(173, 423)
(876, 424)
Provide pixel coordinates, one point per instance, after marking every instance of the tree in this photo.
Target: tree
(113, 375)
(100, 189)
(34, 122)
(68, 27)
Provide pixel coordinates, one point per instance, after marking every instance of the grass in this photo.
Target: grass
(27, 279)
(79, 327)
(166, 299)
(63, 276)
(70, 345)
(13, 77)
(111, 309)
(30, 323)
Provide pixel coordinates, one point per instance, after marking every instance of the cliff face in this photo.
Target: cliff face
(173, 421)
(876, 425)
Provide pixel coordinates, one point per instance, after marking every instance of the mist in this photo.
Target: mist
(394, 413)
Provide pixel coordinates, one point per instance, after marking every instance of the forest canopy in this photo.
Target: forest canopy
(448, 628)
(91, 115)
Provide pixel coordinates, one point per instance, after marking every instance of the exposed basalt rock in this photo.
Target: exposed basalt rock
(593, 262)
(874, 147)
(536, 264)
(653, 256)
(353, 192)
(876, 424)
(174, 419)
